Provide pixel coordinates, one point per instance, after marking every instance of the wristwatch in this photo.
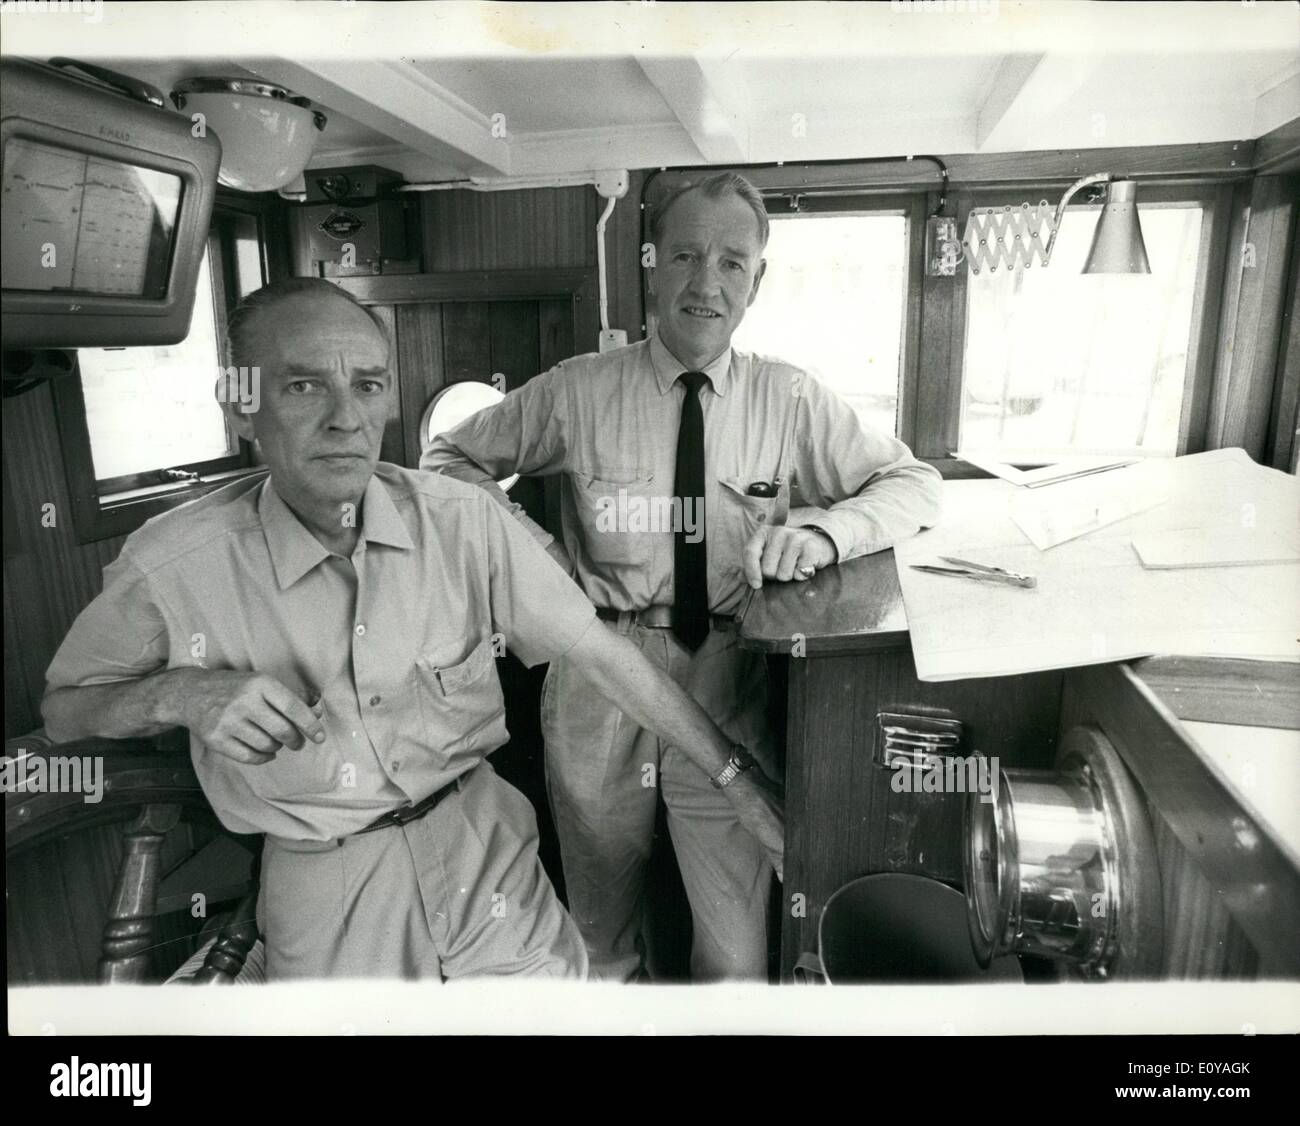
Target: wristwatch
(740, 761)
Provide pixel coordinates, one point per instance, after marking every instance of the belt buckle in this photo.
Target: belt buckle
(392, 818)
(404, 814)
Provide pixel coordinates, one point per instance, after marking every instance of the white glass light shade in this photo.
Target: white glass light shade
(267, 133)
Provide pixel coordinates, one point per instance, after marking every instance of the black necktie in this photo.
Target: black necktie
(690, 560)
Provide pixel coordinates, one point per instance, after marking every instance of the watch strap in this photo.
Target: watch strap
(740, 761)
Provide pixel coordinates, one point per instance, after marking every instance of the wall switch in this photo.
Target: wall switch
(612, 338)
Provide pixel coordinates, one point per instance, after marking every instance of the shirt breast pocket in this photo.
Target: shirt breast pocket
(745, 513)
(617, 510)
(461, 704)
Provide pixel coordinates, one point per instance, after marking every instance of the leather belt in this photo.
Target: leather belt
(408, 813)
(659, 617)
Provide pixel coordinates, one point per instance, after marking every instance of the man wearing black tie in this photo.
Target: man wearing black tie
(690, 472)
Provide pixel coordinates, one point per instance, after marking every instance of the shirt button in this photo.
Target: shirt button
(397, 765)
(361, 630)
(374, 701)
(761, 517)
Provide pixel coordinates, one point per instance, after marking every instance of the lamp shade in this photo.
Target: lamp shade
(267, 133)
(1117, 246)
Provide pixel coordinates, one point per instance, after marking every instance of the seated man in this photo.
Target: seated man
(327, 636)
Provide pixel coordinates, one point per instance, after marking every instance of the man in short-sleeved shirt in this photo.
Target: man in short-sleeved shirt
(328, 635)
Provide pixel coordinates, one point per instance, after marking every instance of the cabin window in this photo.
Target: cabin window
(150, 412)
(141, 429)
(1059, 362)
(833, 302)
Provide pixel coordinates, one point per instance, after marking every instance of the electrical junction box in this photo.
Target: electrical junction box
(943, 249)
(353, 236)
(361, 182)
(353, 223)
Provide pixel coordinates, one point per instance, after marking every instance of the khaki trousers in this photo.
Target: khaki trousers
(458, 893)
(603, 777)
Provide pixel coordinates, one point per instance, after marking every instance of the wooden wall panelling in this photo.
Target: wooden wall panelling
(515, 343)
(38, 949)
(542, 227)
(420, 367)
(555, 332)
(53, 576)
(58, 895)
(470, 285)
(1257, 276)
(1284, 420)
(1201, 939)
(466, 343)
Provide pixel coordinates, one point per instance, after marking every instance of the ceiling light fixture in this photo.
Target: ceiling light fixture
(267, 133)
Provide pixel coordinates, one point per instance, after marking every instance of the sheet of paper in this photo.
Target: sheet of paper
(1202, 548)
(1070, 509)
(1062, 469)
(1094, 601)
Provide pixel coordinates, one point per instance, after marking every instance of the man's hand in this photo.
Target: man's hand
(784, 553)
(759, 803)
(245, 716)
(653, 700)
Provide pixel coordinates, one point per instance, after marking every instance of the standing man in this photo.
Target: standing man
(327, 635)
(762, 473)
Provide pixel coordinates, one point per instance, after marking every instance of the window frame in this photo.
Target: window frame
(913, 207)
(117, 506)
(940, 426)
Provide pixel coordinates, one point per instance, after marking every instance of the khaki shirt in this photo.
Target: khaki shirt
(609, 424)
(398, 641)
